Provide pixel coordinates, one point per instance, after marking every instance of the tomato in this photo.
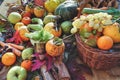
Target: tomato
(39, 11)
(26, 14)
(26, 20)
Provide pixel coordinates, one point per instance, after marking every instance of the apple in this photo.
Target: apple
(17, 73)
(14, 17)
(66, 26)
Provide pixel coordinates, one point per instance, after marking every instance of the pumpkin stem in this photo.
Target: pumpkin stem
(57, 41)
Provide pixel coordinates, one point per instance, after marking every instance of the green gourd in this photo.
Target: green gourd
(67, 10)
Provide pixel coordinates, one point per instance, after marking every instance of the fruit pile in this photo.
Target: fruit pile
(97, 30)
(36, 34)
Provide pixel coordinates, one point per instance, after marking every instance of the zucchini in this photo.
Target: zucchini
(111, 11)
(91, 11)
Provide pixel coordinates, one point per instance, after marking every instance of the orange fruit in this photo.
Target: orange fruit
(26, 64)
(104, 42)
(8, 58)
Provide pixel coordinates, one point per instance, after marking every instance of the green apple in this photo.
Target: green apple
(27, 53)
(17, 73)
(14, 17)
(66, 26)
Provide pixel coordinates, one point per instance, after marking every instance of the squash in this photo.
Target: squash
(51, 27)
(51, 5)
(22, 31)
(67, 10)
(55, 47)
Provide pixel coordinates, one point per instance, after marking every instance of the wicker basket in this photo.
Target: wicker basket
(96, 58)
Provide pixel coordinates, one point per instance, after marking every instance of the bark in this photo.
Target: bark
(63, 73)
(46, 75)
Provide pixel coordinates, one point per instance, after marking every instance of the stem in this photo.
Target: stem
(67, 37)
(3, 17)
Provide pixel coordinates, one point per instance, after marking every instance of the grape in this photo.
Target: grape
(83, 18)
(96, 26)
(90, 17)
(73, 30)
(109, 17)
(100, 29)
(77, 23)
(91, 23)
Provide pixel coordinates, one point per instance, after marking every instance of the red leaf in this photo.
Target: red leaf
(37, 64)
(16, 38)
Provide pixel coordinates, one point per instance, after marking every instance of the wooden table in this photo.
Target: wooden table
(112, 74)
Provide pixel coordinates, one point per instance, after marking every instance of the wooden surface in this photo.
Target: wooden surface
(112, 74)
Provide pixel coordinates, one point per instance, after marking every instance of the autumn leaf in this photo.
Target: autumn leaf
(37, 64)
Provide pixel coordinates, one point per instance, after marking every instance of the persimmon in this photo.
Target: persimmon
(26, 20)
(8, 58)
(29, 8)
(105, 42)
(55, 47)
(26, 64)
(39, 11)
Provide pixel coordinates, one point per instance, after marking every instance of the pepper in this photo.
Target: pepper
(37, 26)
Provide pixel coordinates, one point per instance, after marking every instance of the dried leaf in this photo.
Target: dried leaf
(49, 61)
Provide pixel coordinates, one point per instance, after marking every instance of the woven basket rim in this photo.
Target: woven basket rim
(93, 50)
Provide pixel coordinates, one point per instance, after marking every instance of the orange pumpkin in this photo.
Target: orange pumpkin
(22, 31)
(50, 27)
(26, 64)
(54, 50)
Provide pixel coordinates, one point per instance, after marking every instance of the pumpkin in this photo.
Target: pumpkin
(50, 27)
(67, 10)
(55, 47)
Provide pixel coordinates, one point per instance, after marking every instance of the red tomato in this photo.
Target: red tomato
(26, 20)
(26, 14)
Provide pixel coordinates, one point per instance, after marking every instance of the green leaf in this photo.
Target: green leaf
(39, 36)
(2, 29)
